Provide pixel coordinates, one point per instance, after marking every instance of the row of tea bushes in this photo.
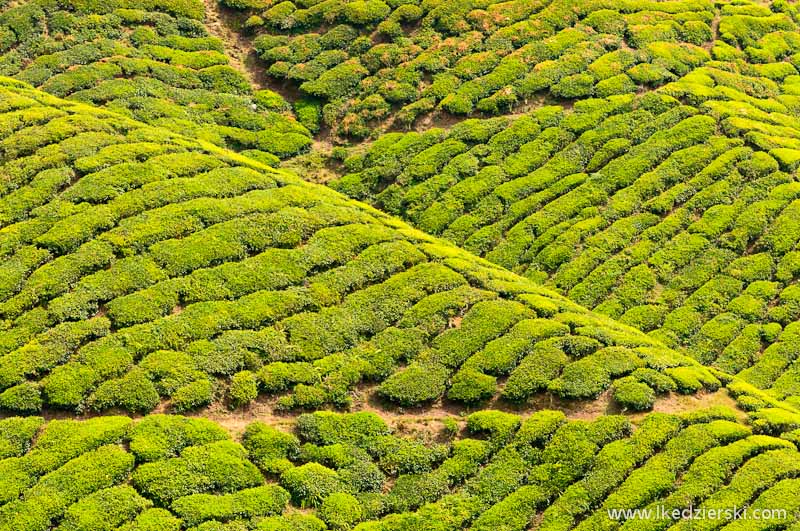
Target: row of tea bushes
(677, 220)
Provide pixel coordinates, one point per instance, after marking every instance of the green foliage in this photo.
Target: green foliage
(365, 11)
(309, 113)
(310, 484)
(521, 469)
(640, 239)
(158, 437)
(375, 63)
(133, 392)
(243, 389)
(267, 500)
(472, 386)
(337, 81)
(574, 86)
(76, 480)
(245, 4)
(415, 384)
(193, 395)
(104, 509)
(153, 520)
(153, 62)
(22, 398)
(398, 456)
(202, 276)
(279, 376)
(340, 511)
(634, 394)
(225, 467)
(326, 428)
(269, 448)
(16, 435)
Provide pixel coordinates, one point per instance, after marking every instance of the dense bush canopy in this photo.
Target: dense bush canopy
(608, 217)
(139, 265)
(674, 211)
(371, 64)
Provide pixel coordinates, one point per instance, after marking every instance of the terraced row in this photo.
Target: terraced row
(152, 61)
(366, 65)
(349, 471)
(140, 265)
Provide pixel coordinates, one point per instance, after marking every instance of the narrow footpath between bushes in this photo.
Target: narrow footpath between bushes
(226, 24)
(239, 50)
(426, 421)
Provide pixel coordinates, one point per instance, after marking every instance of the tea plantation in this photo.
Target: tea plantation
(140, 265)
(410, 265)
(349, 471)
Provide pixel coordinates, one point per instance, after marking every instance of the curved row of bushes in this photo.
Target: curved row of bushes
(674, 211)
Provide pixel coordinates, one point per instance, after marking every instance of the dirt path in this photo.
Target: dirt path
(422, 421)
(226, 24)
(220, 23)
(426, 421)
(714, 31)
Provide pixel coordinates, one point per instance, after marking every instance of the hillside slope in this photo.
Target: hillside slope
(139, 264)
(371, 65)
(387, 353)
(673, 210)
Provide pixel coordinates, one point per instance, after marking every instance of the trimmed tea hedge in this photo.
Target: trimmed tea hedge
(373, 65)
(641, 241)
(674, 211)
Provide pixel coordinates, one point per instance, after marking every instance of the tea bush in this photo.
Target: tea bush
(669, 211)
(637, 207)
(370, 62)
(244, 504)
